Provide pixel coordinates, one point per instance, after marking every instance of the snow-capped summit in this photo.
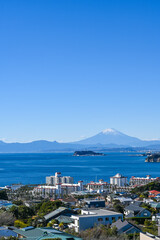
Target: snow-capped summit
(110, 130)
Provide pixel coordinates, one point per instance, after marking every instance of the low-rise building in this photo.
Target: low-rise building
(94, 203)
(125, 227)
(124, 200)
(100, 186)
(5, 204)
(155, 205)
(58, 212)
(154, 194)
(29, 233)
(91, 218)
(133, 210)
(6, 232)
(138, 181)
(70, 201)
(118, 180)
(111, 197)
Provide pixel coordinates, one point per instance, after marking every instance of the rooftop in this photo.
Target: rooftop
(55, 213)
(118, 175)
(98, 212)
(134, 207)
(5, 232)
(119, 224)
(43, 233)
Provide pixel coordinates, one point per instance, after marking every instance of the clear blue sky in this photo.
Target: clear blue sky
(71, 68)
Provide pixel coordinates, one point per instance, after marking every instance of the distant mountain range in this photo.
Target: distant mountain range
(103, 141)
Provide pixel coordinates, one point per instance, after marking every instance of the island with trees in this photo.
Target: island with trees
(87, 153)
(153, 158)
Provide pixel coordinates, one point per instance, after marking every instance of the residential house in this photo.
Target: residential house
(64, 219)
(134, 210)
(124, 200)
(155, 205)
(70, 201)
(29, 233)
(56, 213)
(111, 197)
(154, 194)
(94, 203)
(90, 218)
(5, 204)
(125, 227)
(7, 232)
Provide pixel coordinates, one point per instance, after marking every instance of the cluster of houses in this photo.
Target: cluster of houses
(83, 213)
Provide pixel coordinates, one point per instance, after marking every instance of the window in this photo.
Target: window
(120, 218)
(100, 219)
(107, 219)
(113, 219)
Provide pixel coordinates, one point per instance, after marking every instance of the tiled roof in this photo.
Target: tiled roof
(64, 219)
(5, 232)
(119, 224)
(55, 213)
(134, 208)
(44, 233)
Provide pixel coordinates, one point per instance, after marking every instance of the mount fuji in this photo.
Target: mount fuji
(111, 136)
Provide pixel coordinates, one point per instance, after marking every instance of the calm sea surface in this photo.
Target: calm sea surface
(33, 168)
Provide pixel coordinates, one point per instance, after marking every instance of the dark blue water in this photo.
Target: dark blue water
(33, 168)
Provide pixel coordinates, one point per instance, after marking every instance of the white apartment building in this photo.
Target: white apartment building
(58, 178)
(58, 190)
(142, 180)
(91, 218)
(100, 186)
(118, 180)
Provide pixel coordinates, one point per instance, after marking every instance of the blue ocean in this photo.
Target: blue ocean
(34, 167)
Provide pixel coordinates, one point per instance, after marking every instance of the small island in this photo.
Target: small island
(153, 158)
(87, 153)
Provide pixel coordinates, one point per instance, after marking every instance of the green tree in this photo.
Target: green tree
(3, 195)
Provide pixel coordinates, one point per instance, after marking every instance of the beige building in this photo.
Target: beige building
(147, 236)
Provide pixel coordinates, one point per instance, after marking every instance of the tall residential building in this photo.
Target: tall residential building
(58, 178)
(118, 180)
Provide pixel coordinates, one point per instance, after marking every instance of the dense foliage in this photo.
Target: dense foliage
(21, 212)
(6, 218)
(102, 232)
(47, 206)
(151, 227)
(3, 195)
